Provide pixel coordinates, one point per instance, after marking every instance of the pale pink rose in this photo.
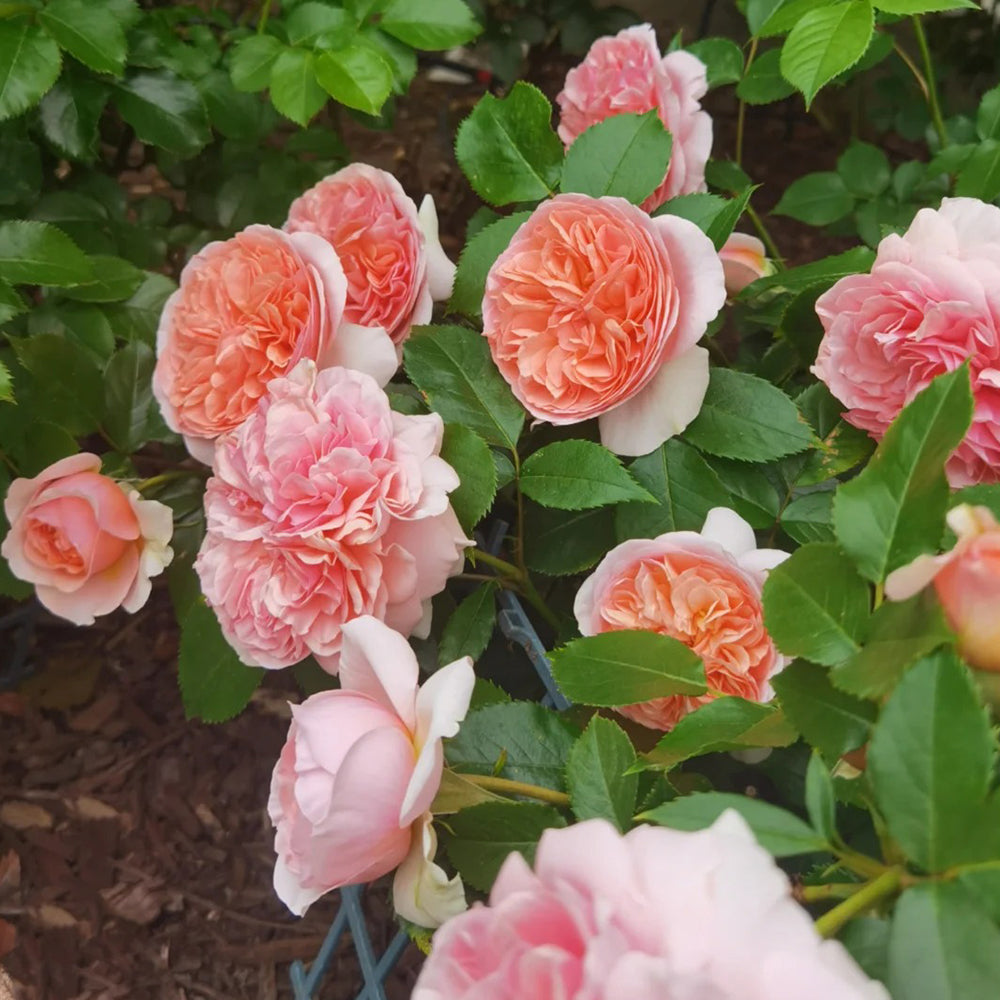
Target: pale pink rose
(247, 310)
(596, 310)
(967, 582)
(651, 915)
(326, 505)
(87, 543)
(625, 73)
(361, 765)
(390, 252)
(703, 589)
(744, 259)
(931, 302)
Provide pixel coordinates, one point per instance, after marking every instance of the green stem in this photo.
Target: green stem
(500, 565)
(861, 864)
(864, 899)
(772, 248)
(519, 528)
(164, 477)
(879, 595)
(933, 101)
(741, 114)
(530, 593)
(508, 787)
(832, 890)
(265, 13)
(912, 67)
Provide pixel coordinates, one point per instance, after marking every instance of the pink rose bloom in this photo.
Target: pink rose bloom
(625, 74)
(247, 310)
(931, 302)
(390, 252)
(744, 259)
(88, 544)
(596, 310)
(662, 915)
(326, 505)
(361, 766)
(703, 589)
(967, 582)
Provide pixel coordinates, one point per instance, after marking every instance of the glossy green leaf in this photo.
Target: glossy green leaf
(432, 24)
(165, 111)
(69, 114)
(563, 542)
(295, 91)
(477, 258)
(252, 60)
(89, 31)
(470, 627)
(469, 455)
(128, 398)
(599, 786)
(114, 280)
(763, 82)
(357, 76)
(818, 198)
(35, 253)
(29, 65)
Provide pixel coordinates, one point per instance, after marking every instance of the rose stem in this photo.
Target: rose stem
(866, 897)
(933, 101)
(492, 784)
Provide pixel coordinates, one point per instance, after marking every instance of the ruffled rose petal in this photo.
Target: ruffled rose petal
(421, 891)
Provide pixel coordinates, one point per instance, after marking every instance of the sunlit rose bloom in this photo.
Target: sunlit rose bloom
(625, 73)
(931, 302)
(655, 914)
(967, 582)
(703, 589)
(326, 505)
(744, 259)
(390, 252)
(247, 310)
(596, 310)
(87, 543)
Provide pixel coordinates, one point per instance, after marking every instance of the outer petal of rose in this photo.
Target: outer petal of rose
(367, 349)
(661, 409)
(762, 560)
(22, 491)
(378, 662)
(296, 897)
(729, 530)
(908, 580)
(441, 705)
(421, 892)
(202, 449)
(440, 270)
(99, 595)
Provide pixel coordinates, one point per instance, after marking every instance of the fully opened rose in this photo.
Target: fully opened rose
(88, 544)
(662, 915)
(625, 73)
(931, 302)
(595, 310)
(357, 775)
(325, 506)
(247, 310)
(390, 251)
(703, 589)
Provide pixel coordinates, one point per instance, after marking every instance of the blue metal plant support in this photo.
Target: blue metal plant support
(516, 626)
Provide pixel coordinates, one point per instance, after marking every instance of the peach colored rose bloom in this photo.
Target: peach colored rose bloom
(390, 252)
(326, 505)
(247, 310)
(744, 259)
(654, 914)
(703, 589)
(625, 73)
(967, 582)
(931, 302)
(358, 773)
(87, 543)
(595, 310)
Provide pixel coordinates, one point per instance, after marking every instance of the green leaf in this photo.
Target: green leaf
(810, 518)
(722, 57)
(456, 793)
(483, 836)
(295, 91)
(469, 629)
(11, 303)
(942, 945)
(625, 155)
(138, 317)
(66, 376)
(596, 774)
(128, 396)
(776, 830)
(507, 148)
(867, 940)
(818, 198)
(753, 494)
(519, 740)
(898, 635)
(746, 418)
(69, 114)
(829, 720)
(930, 761)
(433, 24)
(821, 804)
(29, 65)
(763, 82)
(819, 273)
(778, 17)
(35, 253)
(566, 542)
(452, 367)
(577, 475)
(824, 43)
(215, 685)
(979, 175)
(252, 60)
(469, 455)
(6, 385)
(477, 258)
(923, 6)
(311, 20)
(727, 723)
(165, 111)
(685, 489)
(626, 667)
(816, 604)
(864, 169)
(988, 115)
(357, 76)
(894, 510)
(701, 209)
(721, 227)
(114, 280)
(88, 31)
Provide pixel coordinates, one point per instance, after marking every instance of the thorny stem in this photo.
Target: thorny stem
(933, 101)
(505, 785)
(832, 890)
(865, 898)
(742, 113)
